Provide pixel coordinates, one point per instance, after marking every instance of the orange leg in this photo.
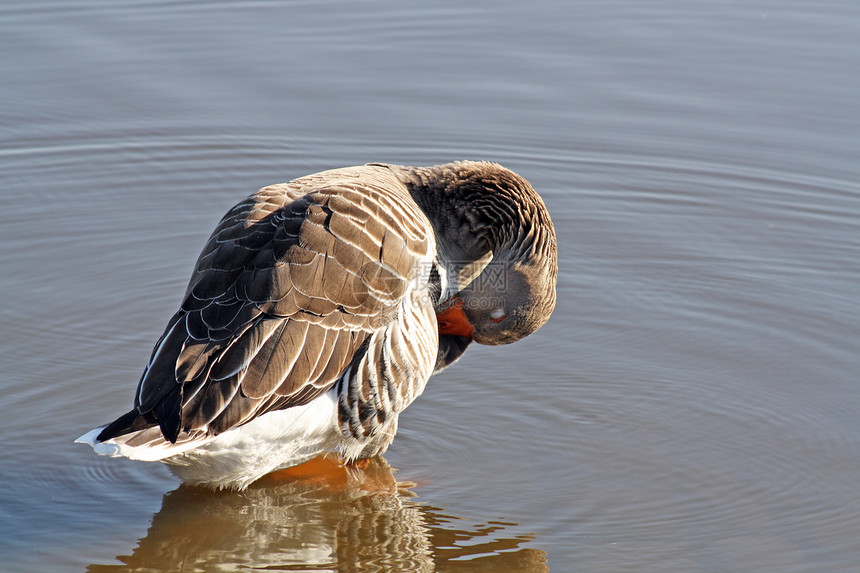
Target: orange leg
(335, 475)
(325, 469)
(361, 464)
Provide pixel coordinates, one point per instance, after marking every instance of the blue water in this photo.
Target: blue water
(691, 406)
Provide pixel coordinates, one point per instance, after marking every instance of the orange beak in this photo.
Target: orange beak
(453, 321)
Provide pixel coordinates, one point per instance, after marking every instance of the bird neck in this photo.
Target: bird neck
(468, 219)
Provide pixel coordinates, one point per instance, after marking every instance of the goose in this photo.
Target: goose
(319, 308)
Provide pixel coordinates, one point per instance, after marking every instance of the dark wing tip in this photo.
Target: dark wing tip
(129, 422)
(169, 415)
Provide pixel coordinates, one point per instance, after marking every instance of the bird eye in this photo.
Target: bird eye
(497, 315)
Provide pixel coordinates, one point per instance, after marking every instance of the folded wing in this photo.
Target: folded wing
(288, 288)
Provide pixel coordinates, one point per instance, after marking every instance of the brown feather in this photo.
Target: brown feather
(304, 281)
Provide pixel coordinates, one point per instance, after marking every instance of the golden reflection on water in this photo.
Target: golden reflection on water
(370, 522)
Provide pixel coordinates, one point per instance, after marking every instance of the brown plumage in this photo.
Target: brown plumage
(331, 284)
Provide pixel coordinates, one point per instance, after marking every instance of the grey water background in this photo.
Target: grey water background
(691, 406)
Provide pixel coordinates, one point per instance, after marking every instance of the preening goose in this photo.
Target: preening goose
(319, 308)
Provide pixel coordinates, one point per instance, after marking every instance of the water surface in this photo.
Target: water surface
(691, 406)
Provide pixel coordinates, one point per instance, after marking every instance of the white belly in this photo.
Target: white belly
(275, 440)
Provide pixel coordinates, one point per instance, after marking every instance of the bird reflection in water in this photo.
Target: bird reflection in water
(360, 520)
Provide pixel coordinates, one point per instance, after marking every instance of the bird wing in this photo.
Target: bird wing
(288, 288)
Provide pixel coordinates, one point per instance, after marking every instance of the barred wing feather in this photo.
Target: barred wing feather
(288, 291)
